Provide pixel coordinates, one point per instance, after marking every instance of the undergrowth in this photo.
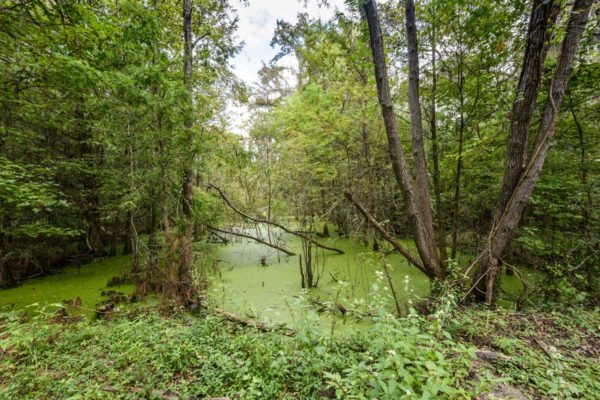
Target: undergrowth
(150, 354)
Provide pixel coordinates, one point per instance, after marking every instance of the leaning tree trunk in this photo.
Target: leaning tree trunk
(416, 197)
(508, 219)
(543, 17)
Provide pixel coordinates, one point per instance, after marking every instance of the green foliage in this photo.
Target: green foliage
(553, 354)
(408, 359)
(93, 138)
(150, 355)
(206, 357)
(27, 201)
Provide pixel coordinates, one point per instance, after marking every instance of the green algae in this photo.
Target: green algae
(86, 282)
(248, 287)
(268, 291)
(244, 285)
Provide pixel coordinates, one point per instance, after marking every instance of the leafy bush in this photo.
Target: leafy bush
(407, 359)
(149, 355)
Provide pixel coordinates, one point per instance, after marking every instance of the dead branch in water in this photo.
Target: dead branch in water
(264, 221)
(386, 235)
(212, 228)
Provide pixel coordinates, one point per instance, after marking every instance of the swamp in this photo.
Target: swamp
(322, 199)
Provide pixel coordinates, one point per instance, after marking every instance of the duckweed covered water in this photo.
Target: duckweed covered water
(270, 291)
(86, 282)
(243, 285)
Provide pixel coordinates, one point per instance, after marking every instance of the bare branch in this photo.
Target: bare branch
(212, 228)
(386, 235)
(264, 221)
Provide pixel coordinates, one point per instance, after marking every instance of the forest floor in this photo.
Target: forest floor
(166, 354)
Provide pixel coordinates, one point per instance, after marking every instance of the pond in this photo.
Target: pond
(254, 280)
(86, 282)
(260, 282)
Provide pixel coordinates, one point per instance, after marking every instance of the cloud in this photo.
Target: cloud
(257, 22)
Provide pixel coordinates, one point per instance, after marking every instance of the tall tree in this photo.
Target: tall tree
(415, 191)
(184, 289)
(527, 169)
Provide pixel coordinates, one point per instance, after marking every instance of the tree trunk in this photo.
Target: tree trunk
(508, 220)
(416, 204)
(91, 185)
(153, 245)
(414, 102)
(459, 159)
(135, 248)
(543, 17)
(435, 154)
(588, 207)
(114, 238)
(7, 279)
(133, 234)
(186, 261)
(127, 239)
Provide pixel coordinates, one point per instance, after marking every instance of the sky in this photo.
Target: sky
(257, 22)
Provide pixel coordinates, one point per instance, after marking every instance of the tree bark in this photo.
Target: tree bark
(414, 102)
(508, 220)
(543, 17)
(186, 261)
(435, 152)
(415, 203)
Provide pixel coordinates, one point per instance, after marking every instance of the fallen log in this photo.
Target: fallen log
(265, 221)
(492, 356)
(261, 326)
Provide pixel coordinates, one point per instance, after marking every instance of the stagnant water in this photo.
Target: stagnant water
(86, 282)
(270, 292)
(252, 280)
